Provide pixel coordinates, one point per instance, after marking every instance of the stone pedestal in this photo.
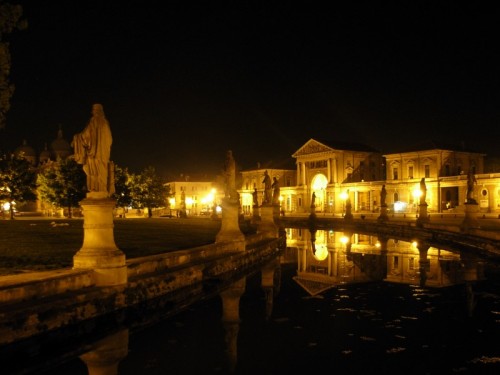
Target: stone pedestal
(99, 252)
(312, 211)
(231, 320)
(348, 212)
(255, 214)
(470, 219)
(423, 217)
(230, 228)
(107, 354)
(424, 263)
(267, 226)
(383, 213)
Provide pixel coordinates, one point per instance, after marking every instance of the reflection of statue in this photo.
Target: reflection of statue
(230, 175)
(92, 148)
(423, 191)
(276, 190)
(267, 188)
(383, 196)
(313, 200)
(255, 196)
(471, 180)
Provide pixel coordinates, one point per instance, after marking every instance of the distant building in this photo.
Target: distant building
(336, 171)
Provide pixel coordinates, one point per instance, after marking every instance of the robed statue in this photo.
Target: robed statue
(92, 149)
(471, 180)
(268, 190)
(423, 191)
(230, 176)
(276, 190)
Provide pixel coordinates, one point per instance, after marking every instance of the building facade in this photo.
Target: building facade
(334, 172)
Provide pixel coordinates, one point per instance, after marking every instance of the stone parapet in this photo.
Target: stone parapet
(57, 299)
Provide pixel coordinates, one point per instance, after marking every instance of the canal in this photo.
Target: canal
(353, 326)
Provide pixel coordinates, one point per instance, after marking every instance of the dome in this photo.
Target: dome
(44, 155)
(26, 152)
(60, 147)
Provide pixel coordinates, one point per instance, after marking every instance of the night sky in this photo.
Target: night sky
(181, 82)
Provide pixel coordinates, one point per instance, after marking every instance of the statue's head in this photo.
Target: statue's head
(97, 109)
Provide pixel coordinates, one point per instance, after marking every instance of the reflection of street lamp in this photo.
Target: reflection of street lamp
(343, 196)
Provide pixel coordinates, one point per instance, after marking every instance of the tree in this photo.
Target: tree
(10, 20)
(148, 190)
(62, 184)
(122, 187)
(17, 180)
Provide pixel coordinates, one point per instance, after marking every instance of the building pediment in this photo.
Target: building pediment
(312, 147)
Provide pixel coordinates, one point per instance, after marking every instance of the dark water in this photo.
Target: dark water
(375, 328)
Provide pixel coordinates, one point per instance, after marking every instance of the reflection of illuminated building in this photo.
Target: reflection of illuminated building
(327, 259)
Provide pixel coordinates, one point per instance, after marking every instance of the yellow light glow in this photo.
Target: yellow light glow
(6, 206)
(189, 201)
(414, 244)
(321, 252)
(344, 239)
(377, 244)
(343, 195)
(417, 193)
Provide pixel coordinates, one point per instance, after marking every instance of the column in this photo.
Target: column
(99, 252)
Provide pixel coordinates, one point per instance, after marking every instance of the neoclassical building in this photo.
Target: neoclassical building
(335, 172)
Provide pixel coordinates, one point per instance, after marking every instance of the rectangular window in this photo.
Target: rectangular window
(411, 264)
(410, 172)
(395, 174)
(427, 171)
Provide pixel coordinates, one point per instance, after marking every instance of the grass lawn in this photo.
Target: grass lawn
(44, 244)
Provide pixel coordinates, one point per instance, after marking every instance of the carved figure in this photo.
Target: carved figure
(423, 191)
(313, 200)
(383, 196)
(471, 180)
(267, 188)
(276, 190)
(92, 149)
(255, 196)
(230, 175)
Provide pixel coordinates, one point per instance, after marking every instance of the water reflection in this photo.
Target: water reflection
(337, 302)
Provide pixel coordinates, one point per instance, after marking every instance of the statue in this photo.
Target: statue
(313, 200)
(230, 175)
(92, 149)
(471, 180)
(255, 197)
(423, 191)
(276, 191)
(383, 196)
(267, 188)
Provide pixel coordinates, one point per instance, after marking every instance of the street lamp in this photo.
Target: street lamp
(344, 197)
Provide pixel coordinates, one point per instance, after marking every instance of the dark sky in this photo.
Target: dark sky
(181, 82)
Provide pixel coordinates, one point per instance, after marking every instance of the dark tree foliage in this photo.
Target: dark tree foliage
(10, 20)
(148, 190)
(62, 184)
(122, 187)
(17, 180)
